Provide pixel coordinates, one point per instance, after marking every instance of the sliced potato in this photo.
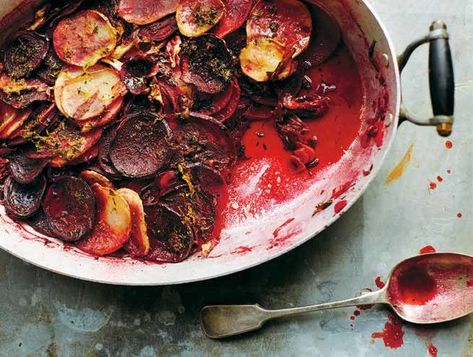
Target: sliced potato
(261, 58)
(85, 94)
(196, 17)
(138, 245)
(93, 177)
(113, 226)
(143, 12)
(85, 38)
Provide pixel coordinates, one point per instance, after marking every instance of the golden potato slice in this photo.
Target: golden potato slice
(261, 58)
(84, 38)
(138, 245)
(196, 17)
(113, 226)
(85, 94)
(93, 177)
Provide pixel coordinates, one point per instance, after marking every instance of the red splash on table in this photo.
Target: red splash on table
(459, 215)
(439, 178)
(379, 283)
(449, 171)
(392, 334)
(432, 186)
(339, 206)
(280, 228)
(449, 144)
(427, 250)
(432, 350)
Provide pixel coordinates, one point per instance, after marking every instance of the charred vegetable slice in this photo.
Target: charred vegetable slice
(69, 205)
(158, 31)
(196, 17)
(235, 15)
(24, 200)
(85, 94)
(114, 223)
(143, 12)
(84, 38)
(25, 54)
(288, 22)
(138, 245)
(207, 64)
(25, 170)
(171, 239)
(64, 144)
(20, 93)
(140, 147)
(261, 58)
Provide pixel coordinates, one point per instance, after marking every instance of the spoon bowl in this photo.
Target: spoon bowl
(425, 289)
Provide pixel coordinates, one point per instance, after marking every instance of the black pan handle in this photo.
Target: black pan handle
(441, 76)
(442, 82)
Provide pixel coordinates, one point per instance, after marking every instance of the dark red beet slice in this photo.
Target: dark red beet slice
(257, 113)
(206, 63)
(134, 73)
(24, 200)
(171, 240)
(158, 31)
(203, 139)
(228, 111)
(165, 183)
(205, 176)
(69, 205)
(20, 94)
(141, 148)
(41, 118)
(40, 223)
(25, 54)
(307, 106)
(25, 170)
(235, 15)
(104, 154)
(327, 37)
(49, 71)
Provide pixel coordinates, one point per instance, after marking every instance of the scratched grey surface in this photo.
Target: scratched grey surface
(43, 314)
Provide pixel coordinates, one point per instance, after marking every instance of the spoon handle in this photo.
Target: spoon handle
(376, 297)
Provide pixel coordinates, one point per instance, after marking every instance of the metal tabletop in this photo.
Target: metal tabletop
(44, 314)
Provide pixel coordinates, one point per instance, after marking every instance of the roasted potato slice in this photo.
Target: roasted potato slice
(196, 17)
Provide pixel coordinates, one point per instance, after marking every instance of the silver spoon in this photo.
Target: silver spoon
(426, 289)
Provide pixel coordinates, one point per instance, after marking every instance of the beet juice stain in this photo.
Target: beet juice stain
(392, 334)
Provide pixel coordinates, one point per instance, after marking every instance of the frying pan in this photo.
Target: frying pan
(254, 235)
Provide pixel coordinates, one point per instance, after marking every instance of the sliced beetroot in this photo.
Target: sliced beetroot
(143, 12)
(84, 158)
(69, 205)
(227, 112)
(24, 200)
(327, 37)
(104, 153)
(63, 144)
(203, 139)
(135, 72)
(40, 120)
(13, 120)
(25, 54)
(49, 71)
(22, 93)
(40, 223)
(23, 169)
(84, 38)
(307, 106)
(235, 15)
(171, 239)
(141, 146)
(258, 113)
(158, 31)
(205, 176)
(207, 64)
(287, 22)
(221, 100)
(196, 17)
